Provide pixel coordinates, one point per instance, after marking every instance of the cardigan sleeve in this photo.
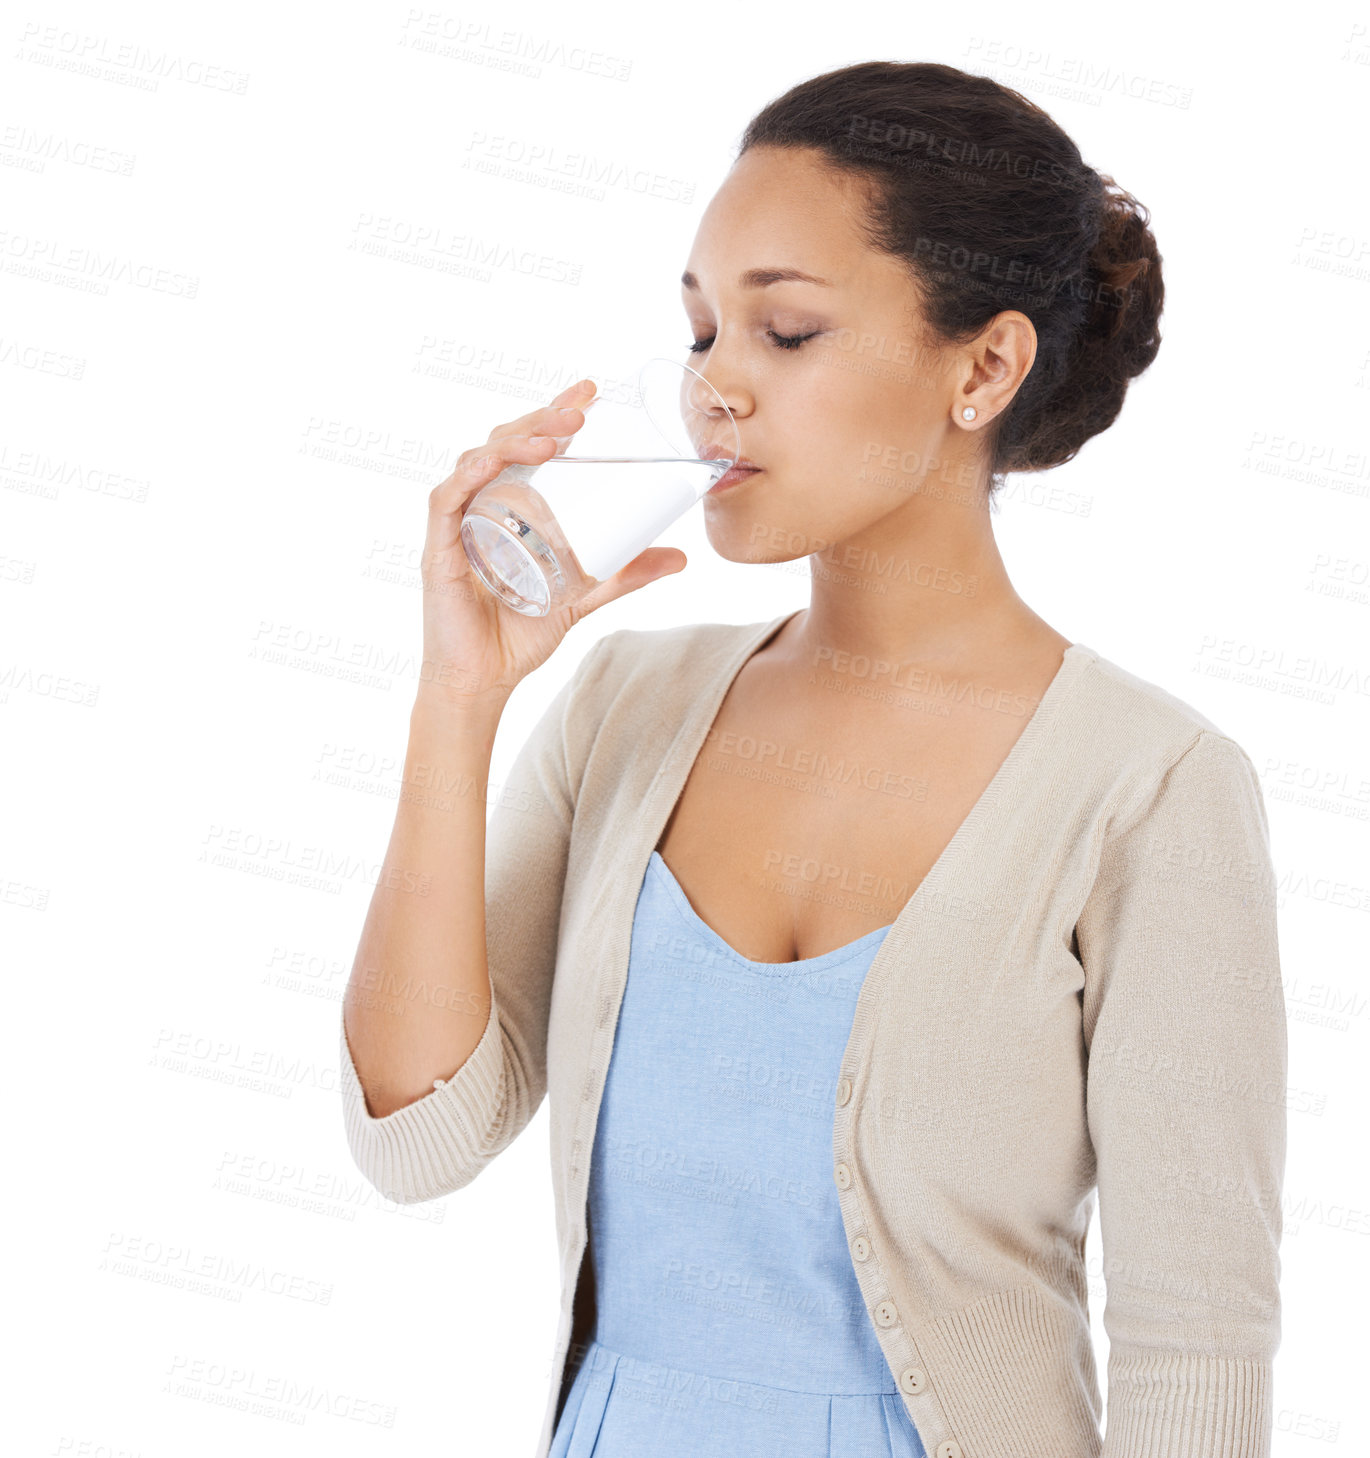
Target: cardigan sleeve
(441, 1142)
(1186, 1039)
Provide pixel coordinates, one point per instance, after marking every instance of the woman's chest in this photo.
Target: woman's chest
(797, 832)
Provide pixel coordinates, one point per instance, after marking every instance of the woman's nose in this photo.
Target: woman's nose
(725, 385)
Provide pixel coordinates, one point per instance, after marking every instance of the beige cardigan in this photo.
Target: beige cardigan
(1085, 990)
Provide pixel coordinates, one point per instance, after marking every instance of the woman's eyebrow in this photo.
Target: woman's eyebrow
(760, 278)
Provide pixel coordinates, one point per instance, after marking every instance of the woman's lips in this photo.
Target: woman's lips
(733, 477)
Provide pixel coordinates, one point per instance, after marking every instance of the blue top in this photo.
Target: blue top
(728, 1315)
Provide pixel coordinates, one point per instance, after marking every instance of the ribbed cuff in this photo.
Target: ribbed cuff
(1163, 1405)
(438, 1143)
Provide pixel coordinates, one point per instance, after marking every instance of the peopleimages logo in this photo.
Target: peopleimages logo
(52, 261)
(895, 137)
(124, 61)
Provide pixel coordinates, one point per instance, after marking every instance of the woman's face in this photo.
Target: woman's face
(838, 395)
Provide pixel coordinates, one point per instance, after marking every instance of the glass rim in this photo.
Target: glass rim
(725, 439)
(731, 441)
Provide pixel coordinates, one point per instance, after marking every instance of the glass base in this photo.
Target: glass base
(516, 573)
(515, 547)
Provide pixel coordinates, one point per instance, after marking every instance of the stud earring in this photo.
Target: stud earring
(968, 413)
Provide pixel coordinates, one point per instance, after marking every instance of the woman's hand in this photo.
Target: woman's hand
(474, 646)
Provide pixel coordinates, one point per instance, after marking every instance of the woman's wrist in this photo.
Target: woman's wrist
(480, 709)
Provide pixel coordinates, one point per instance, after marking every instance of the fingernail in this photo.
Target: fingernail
(571, 391)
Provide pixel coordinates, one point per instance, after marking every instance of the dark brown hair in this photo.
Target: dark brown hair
(993, 208)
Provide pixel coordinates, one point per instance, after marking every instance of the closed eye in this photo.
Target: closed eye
(783, 341)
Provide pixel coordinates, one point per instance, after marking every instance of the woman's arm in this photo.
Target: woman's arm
(443, 1039)
(419, 994)
(1185, 1027)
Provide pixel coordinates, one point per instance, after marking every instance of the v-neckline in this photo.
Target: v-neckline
(696, 728)
(702, 928)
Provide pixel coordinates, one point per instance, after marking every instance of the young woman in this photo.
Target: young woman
(858, 949)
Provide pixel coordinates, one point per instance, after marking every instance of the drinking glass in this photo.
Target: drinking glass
(542, 536)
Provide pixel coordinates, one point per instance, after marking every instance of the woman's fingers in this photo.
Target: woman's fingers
(550, 420)
(647, 566)
(559, 418)
(529, 440)
(572, 393)
(478, 467)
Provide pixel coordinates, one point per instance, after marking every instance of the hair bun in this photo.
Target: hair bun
(1120, 337)
(1127, 292)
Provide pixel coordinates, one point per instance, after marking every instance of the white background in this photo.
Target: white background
(228, 445)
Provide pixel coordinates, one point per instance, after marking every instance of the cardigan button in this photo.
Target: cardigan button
(843, 1177)
(843, 1090)
(886, 1314)
(861, 1248)
(913, 1380)
(950, 1449)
